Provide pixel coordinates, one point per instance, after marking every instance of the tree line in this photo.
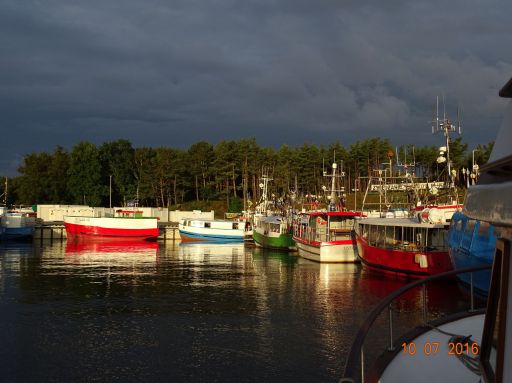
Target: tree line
(115, 173)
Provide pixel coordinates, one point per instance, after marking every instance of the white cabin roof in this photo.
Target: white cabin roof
(400, 222)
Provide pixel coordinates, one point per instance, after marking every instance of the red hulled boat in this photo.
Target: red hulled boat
(134, 226)
(404, 246)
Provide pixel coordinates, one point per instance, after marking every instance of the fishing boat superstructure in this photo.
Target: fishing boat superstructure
(272, 230)
(403, 246)
(326, 236)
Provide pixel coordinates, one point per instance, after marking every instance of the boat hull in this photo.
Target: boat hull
(16, 227)
(481, 279)
(275, 242)
(92, 227)
(206, 237)
(472, 243)
(344, 251)
(414, 264)
(17, 233)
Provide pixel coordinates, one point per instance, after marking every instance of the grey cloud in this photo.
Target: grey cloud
(283, 71)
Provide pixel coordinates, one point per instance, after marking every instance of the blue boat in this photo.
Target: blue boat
(214, 230)
(17, 226)
(472, 243)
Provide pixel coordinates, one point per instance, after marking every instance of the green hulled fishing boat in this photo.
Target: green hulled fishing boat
(274, 232)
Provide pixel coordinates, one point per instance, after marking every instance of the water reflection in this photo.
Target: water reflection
(141, 311)
(204, 252)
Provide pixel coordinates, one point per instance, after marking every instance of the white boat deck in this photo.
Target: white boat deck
(440, 366)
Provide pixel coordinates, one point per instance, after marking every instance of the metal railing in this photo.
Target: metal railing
(356, 357)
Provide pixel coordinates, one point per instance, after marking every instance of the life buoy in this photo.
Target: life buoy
(320, 221)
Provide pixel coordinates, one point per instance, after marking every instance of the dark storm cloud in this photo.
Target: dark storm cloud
(174, 72)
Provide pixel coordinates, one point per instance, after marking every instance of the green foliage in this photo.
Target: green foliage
(235, 205)
(118, 161)
(34, 182)
(229, 170)
(85, 176)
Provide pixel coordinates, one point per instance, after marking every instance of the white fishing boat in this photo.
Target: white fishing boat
(328, 236)
(471, 346)
(220, 230)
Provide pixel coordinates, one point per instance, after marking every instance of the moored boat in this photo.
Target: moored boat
(326, 236)
(135, 227)
(17, 225)
(472, 345)
(274, 232)
(472, 243)
(403, 246)
(220, 230)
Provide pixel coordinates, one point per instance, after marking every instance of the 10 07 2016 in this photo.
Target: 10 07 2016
(432, 348)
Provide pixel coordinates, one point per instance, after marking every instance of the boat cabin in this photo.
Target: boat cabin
(127, 213)
(402, 234)
(277, 225)
(214, 224)
(326, 226)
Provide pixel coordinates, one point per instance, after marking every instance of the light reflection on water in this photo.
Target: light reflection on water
(191, 312)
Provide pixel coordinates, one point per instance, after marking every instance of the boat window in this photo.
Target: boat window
(235, 225)
(207, 224)
(407, 235)
(390, 236)
(380, 235)
(436, 239)
(372, 234)
(363, 231)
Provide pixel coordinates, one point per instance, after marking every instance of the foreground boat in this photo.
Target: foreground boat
(472, 243)
(219, 230)
(143, 228)
(403, 246)
(274, 232)
(326, 236)
(468, 348)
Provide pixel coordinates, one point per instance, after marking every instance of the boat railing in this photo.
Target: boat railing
(355, 370)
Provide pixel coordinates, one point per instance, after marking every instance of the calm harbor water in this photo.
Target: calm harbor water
(104, 312)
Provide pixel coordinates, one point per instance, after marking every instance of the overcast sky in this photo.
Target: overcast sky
(173, 72)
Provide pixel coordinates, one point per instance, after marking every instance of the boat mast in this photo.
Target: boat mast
(446, 126)
(334, 197)
(263, 205)
(5, 192)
